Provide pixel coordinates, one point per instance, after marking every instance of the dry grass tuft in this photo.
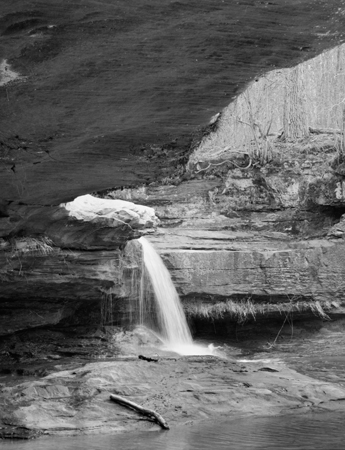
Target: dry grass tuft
(41, 245)
(241, 311)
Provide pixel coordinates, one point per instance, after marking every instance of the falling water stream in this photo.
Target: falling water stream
(171, 318)
(172, 323)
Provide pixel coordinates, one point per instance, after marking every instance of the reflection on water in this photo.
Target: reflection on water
(314, 431)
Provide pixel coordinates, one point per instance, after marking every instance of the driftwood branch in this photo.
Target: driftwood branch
(145, 412)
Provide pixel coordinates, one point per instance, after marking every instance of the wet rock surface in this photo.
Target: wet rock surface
(72, 397)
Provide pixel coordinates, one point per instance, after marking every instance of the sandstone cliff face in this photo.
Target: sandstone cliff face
(273, 171)
(259, 214)
(265, 270)
(271, 256)
(253, 213)
(75, 270)
(44, 289)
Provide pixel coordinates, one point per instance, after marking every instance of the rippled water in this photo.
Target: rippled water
(314, 431)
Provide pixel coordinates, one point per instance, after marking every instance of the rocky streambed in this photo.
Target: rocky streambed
(71, 396)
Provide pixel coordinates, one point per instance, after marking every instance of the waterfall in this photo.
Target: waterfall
(171, 321)
(160, 307)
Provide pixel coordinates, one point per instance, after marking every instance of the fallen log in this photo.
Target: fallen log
(153, 415)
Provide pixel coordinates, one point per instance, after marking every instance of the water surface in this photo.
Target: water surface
(313, 431)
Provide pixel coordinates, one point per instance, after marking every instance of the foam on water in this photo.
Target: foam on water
(195, 349)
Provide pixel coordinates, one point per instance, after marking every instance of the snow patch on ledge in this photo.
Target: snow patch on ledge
(111, 212)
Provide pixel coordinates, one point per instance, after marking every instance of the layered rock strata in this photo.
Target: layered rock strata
(78, 263)
(257, 219)
(270, 232)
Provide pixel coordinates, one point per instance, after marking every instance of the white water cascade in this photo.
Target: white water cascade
(172, 323)
(171, 319)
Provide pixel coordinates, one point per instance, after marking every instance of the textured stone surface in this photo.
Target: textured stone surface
(88, 223)
(240, 216)
(107, 212)
(112, 92)
(215, 265)
(261, 232)
(226, 233)
(40, 289)
(77, 401)
(298, 192)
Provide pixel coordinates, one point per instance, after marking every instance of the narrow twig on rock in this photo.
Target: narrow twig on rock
(145, 412)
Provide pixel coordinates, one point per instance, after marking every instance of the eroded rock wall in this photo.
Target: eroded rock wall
(258, 214)
(70, 260)
(85, 287)
(254, 213)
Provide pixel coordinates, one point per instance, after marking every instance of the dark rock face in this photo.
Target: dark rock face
(112, 93)
(56, 286)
